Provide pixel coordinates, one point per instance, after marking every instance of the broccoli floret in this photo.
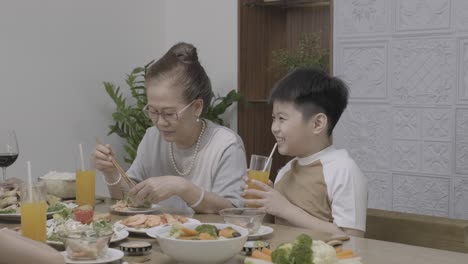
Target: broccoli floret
(301, 252)
(282, 253)
(210, 229)
(297, 252)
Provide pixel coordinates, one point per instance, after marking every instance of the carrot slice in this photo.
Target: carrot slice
(345, 254)
(189, 232)
(259, 255)
(206, 236)
(267, 251)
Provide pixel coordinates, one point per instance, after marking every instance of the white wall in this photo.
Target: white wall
(54, 56)
(406, 62)
(210, 25)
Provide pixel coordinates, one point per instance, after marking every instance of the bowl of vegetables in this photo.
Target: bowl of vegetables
(85, 242)
(200, 243)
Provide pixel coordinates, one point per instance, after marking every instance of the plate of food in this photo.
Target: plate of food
(110, 256)
(81, 218)
(318, 251)
(140, 223)
(125, 207)
(10, 204)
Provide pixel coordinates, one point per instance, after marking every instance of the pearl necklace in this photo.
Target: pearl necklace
(183, 173)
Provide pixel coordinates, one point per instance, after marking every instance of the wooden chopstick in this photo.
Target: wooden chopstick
(119, 168)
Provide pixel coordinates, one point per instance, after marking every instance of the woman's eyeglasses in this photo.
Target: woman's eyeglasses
(154, 114)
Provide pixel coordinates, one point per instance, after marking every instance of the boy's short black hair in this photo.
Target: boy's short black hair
(313, 91)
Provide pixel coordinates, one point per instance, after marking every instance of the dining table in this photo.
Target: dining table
(370, 251)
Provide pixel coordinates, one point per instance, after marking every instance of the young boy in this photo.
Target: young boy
(322, 188)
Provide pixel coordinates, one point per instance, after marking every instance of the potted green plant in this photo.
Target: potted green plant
(129, 121)
(308, 53)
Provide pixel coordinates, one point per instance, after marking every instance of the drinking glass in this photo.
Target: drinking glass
(34, 211)
(258, 171)
(85, 182)
(8, 149)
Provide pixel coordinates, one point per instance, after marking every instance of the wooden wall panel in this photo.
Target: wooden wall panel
(263, 29)
(306, 20)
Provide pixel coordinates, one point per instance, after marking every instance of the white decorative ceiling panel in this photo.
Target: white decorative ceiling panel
(406, 63)
(363, 16)
(422, 15)
(364, 130)
(380, 190)
(428, 194)
(461, 197)
(423, 71)
(364, 69)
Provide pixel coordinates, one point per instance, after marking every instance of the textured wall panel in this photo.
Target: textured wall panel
(436, 158)
(406, 155)
(461, 198)
(460, 17)
(421, 194)
(437, 124)
(463, 83)
(461, 159)
(461, 143)
(360, 17)
(422, 15)
(406, 123)
(364, 130)
(424, 71)
(406, 127)
(380, 190)
(364, 69)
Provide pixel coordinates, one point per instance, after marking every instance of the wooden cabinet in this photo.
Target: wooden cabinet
(263, 27)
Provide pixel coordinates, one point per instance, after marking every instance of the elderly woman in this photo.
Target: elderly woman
(184, 160)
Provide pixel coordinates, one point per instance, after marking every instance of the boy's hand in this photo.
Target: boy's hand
(269, 199)
(246, 180)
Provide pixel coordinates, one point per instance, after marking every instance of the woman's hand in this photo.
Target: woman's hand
(268, 198)
(101, 159)
(156, 189)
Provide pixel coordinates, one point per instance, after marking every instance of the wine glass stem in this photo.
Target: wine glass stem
(4, 173)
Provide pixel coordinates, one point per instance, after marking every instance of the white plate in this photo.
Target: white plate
(118, 236)
(132, 210)
(111, 255)
(17, 216)
(144, 230)
(262, 231)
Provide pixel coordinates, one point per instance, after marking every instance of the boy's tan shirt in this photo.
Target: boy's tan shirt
(305, 187)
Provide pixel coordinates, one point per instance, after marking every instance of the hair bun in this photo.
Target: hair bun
(185, 53)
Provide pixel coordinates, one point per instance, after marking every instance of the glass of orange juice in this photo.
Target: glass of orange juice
(34, 211)
(258, 171)
(85, 182)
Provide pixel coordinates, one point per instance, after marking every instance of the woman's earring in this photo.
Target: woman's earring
(198, 119)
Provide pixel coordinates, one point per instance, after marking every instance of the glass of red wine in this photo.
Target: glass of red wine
(8, 149)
